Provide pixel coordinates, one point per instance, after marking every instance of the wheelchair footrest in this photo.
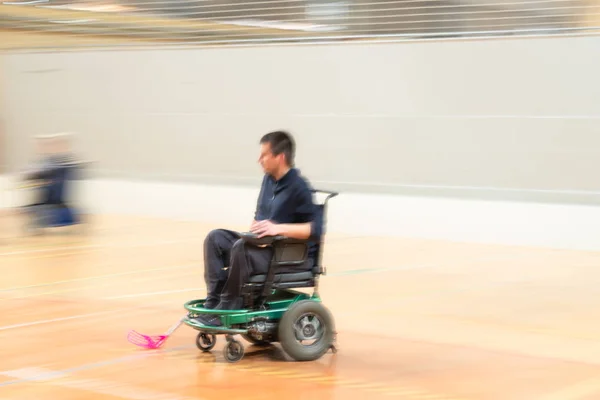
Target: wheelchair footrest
(197, 307)
(213, 329)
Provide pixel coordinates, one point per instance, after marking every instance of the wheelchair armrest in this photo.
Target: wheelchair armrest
(252, 238)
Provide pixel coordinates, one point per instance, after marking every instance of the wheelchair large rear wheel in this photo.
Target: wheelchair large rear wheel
(306, 330)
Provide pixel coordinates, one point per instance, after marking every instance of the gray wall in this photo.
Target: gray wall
(502, 119)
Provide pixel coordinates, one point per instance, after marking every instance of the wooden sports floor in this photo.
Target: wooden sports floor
(416, 320)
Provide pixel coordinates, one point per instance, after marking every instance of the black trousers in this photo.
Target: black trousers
(228, 263)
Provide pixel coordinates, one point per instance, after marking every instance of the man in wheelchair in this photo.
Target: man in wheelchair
(284, 208)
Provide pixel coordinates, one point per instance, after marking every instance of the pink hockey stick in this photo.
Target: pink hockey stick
(151, 342)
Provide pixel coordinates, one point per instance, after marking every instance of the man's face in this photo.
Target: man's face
(268, 161)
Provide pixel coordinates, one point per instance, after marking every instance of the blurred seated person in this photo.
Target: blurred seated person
(52, 170)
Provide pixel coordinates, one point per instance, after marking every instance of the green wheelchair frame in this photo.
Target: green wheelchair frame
(273, 311)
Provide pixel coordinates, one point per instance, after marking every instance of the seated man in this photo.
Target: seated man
(285, 207)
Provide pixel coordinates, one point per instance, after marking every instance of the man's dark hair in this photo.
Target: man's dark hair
(281, 142)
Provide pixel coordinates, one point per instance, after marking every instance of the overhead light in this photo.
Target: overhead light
(24, 3)
(90, 7)
(73, 21)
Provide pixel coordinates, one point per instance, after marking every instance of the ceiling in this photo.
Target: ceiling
(224, 21)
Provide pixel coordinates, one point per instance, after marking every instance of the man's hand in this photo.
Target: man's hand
(265, 228)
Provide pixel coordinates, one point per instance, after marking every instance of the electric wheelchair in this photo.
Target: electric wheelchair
(273, 311)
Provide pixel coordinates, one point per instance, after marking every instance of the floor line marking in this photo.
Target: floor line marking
(50, 248)
(137, 271)
(347, 383)
(144, 294)
(341, 273)
(189, 239)
(47, 321)
(134, 295)
(93, 385)
(26, 375)
(77, 316)
(95, 286)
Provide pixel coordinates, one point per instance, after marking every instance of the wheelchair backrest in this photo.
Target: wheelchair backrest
(322, 221)
(294, 253)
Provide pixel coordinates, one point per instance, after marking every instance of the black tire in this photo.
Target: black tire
(233, 351)
(307, 311)
(205, 341)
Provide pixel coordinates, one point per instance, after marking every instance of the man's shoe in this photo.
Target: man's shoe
(208, 320)
(213, 320)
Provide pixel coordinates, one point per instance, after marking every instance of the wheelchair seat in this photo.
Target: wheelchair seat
(288, 278)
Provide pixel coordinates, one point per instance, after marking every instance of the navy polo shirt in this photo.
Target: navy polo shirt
(289, 201)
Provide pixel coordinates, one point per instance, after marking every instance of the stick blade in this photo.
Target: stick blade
(146, 341)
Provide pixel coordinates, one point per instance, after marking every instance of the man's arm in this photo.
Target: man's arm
(293, 231)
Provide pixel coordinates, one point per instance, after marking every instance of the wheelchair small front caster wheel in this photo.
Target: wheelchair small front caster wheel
(206, 342)
(233, 351)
